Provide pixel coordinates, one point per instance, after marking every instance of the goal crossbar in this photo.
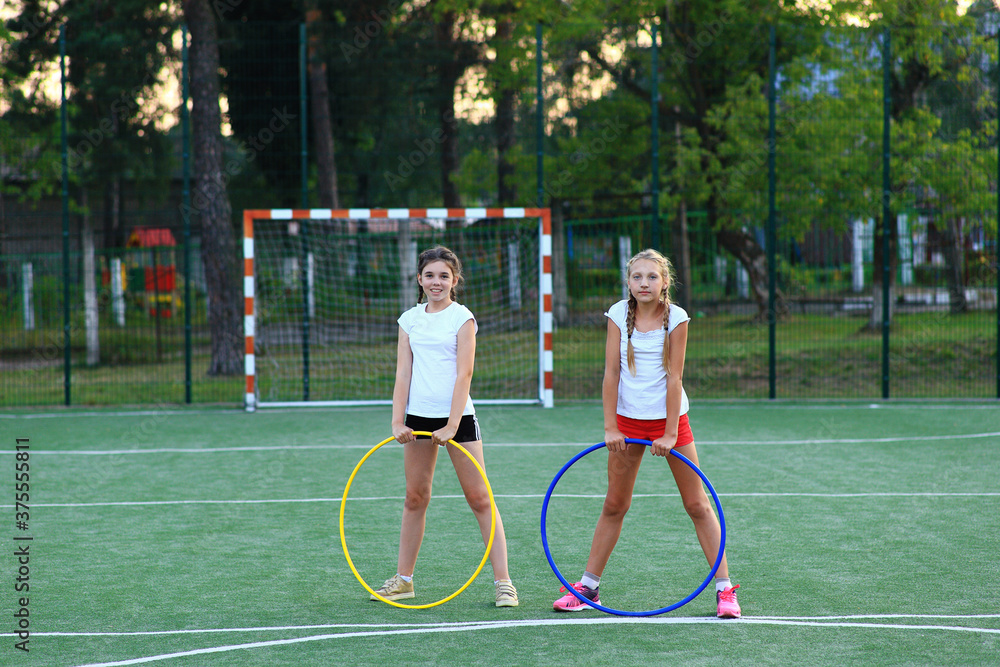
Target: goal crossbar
(545, 380)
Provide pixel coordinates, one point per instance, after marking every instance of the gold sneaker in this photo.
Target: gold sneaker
(397, 589)
(506, 594)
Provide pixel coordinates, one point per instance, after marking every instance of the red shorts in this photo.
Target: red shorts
(651, 429)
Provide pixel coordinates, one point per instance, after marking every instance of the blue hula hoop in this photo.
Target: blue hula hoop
(609, 610)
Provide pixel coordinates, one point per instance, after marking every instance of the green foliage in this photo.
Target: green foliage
(117, 55)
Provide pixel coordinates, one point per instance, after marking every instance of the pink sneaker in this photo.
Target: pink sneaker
(570, 602)
(728, 607)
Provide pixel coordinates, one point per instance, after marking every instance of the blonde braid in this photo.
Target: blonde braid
(666, 330)
(630, 326)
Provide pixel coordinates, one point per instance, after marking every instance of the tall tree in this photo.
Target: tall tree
(505, 122)
(707, 48)
(932, 44)
(455, 55)
(218, 243)
(319, 106)
(829, 133)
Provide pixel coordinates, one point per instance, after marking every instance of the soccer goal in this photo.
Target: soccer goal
(323, 290)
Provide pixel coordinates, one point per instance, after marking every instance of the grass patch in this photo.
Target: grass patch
(817, 356)
(932, 355)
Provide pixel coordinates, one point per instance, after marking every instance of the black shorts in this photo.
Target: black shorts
(468, 428)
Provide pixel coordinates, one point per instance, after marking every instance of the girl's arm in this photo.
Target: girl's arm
(675, 387)
(401, 390)
(460, 395)
(613, 438)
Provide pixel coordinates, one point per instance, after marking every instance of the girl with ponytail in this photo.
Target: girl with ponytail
(435, 355)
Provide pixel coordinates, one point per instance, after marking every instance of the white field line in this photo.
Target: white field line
(604, 619)
(200, 411)
(575, 445)
(276, 501)
(710, 404)
(469, 627)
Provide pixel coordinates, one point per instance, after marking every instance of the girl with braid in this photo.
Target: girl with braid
(645, 400)
(434, 360)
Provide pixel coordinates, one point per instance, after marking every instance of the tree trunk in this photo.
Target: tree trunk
(506, 191)
(875, 320)
(319, 106)
(681, 258)
(449, 72)
(114, 235)
(745, 248)
(90, 318)
(954, 262)
(680, 244)
(560, 285)
(448, 76)
(3, 235)
(218, 244)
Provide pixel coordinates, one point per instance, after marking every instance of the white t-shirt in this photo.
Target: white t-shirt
(644, 396)
(434, 344)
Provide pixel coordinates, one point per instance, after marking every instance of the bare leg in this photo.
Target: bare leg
(479, 500)
(698, 507)
(419, 458)
(623, 467)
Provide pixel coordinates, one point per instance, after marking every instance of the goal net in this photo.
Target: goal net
(323, 290)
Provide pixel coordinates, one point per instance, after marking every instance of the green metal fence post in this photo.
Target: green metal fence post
(772, 316)
(886, 195)
(996, 241)
(304, 268)
(303, 115)
(539, 117)
(185, 152)
(64, 140)
(654, 94)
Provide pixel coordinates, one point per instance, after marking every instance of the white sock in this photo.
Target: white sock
(722, 584)
(591, 581)
(405, 578)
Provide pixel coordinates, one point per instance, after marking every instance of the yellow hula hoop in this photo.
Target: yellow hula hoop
(489, 544)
